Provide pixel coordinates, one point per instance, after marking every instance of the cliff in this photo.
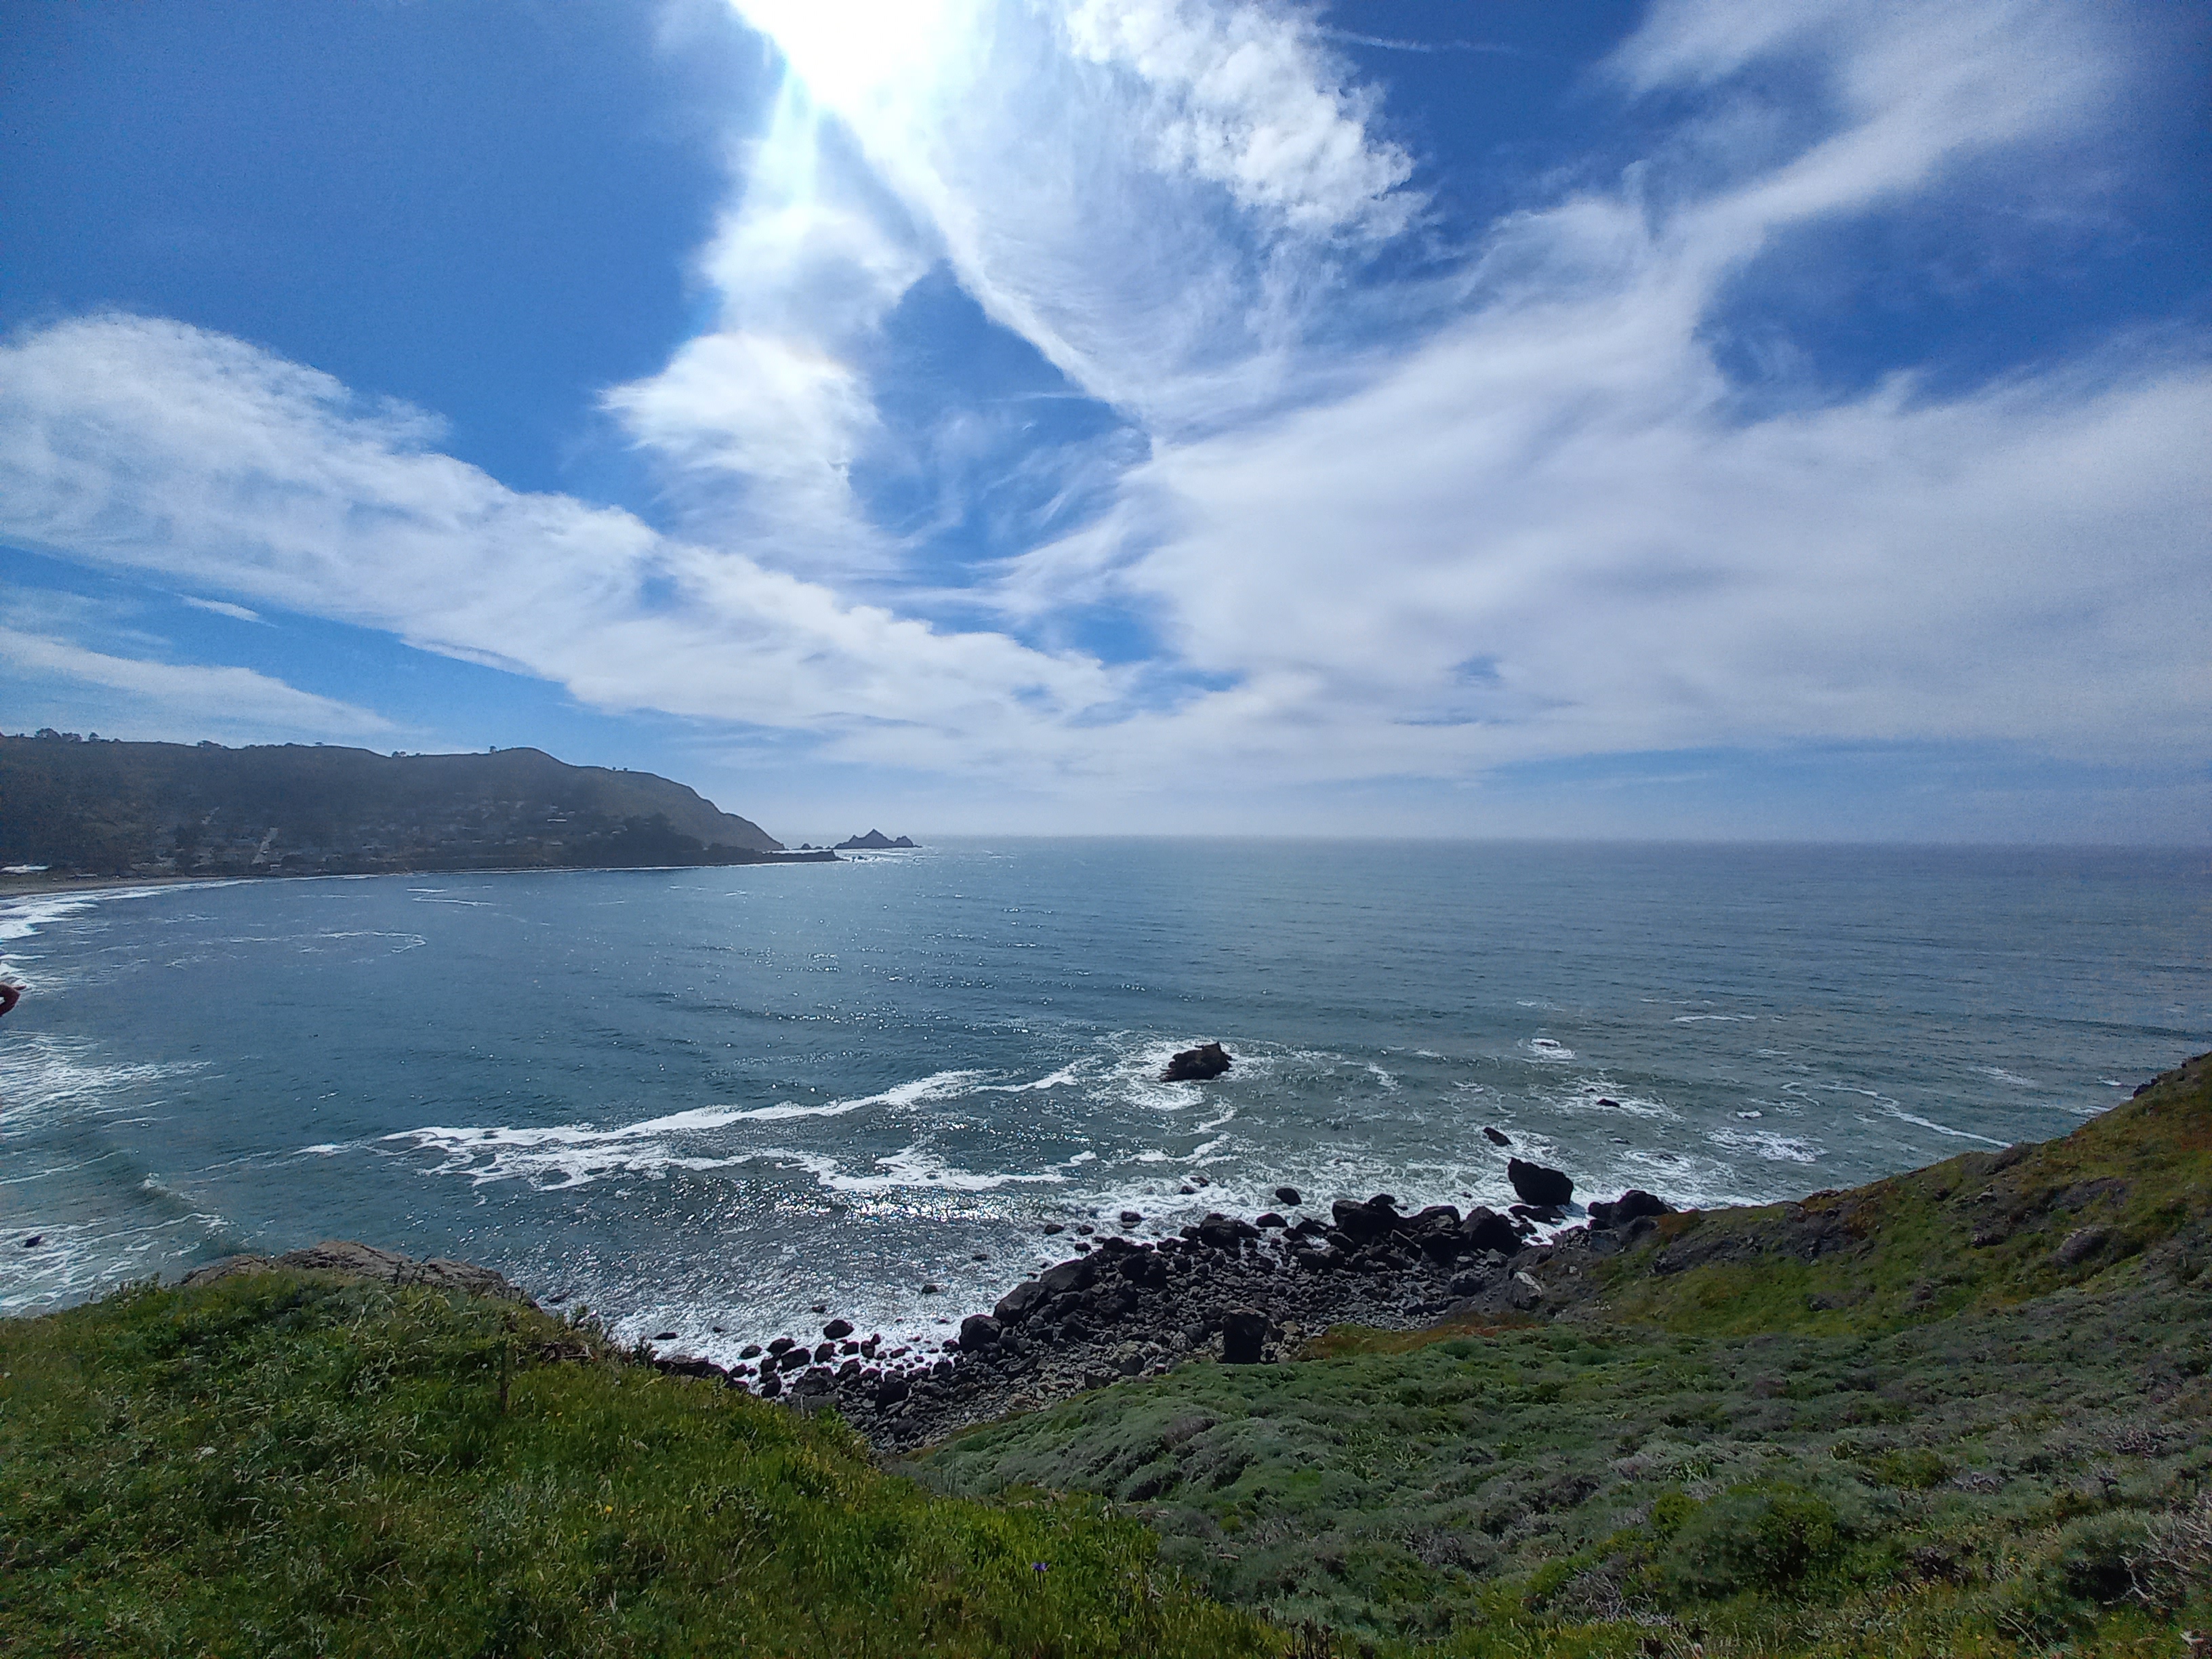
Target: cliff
(165, 808)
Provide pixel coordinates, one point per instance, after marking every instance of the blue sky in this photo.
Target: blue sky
(1699, 419)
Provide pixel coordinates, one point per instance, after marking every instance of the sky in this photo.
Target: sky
(1706, 419)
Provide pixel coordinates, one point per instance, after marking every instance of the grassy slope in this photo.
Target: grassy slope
(281, 1463)
(1909, 1442)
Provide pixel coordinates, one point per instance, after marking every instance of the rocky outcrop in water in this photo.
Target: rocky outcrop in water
(1199, 1064)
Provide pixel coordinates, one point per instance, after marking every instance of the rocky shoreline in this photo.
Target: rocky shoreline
(1225, 1289)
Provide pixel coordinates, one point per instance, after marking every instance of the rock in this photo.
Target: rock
(1269, 1220)
(837, 1329)
(780, 1346)
(663, 1336)
(1496, 1137)
(689, 1364)
(2081, 1246)
(978, 1331)
(1631, 1206)
(750, 1350)
(1051, 1227)
(793, 1356)
(1146, 1267)
(933, 1290)
(771, 1383)
(1362, 1223)
(892, 1389)
(1244, 1333)
(1131, 1218)
(1288, 1195)
(1538, 1185)
(1208, 1059)
(1079, 1274)
(1486, 1229)
(1224, 1233)
(339, 1256)
(825, 1351)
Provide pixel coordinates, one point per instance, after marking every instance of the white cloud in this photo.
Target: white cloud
(1548, 530)
(190, 693)
(1245, 97)
(1152, 193)
(223, 608)
(153, 446)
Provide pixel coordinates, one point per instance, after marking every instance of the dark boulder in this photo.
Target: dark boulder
(1224, 1233)
(1631, 1206)
(1288, 1195)
(687, 1364)
(1208, 1059)
(1078, 1274)
(1021, 1302)
(837, 1329)
(892, 1389)
(1361, 1223)
(1244, 1333)
(1538, 1185)
(1269, 1220)
(1486, 1229)
(780, 1346)
(1495, 1137)
(1130, 1217)
(1147, 1268)
(978, 1331)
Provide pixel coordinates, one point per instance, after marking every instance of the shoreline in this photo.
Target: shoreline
(14, 887)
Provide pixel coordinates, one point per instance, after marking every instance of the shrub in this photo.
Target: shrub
(1749, 1540)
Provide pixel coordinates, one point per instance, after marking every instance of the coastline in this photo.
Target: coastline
(13, 887)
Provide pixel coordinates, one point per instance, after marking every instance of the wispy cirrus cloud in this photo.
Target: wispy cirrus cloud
(212, 697)
(149, 445)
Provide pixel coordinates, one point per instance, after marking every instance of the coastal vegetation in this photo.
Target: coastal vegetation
(304, 1463)
(1964, 1411)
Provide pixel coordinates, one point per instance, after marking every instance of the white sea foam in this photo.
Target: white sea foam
(1891, 1108)
(1696, 1019)
(1765, 1143)
(1545, 1049)
(1998, 1074)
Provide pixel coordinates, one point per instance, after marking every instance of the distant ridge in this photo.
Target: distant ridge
(873, 842)
(93, 807)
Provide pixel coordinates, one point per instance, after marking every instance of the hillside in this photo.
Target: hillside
(1964, 1410)
(164, 808)
(304, 1462)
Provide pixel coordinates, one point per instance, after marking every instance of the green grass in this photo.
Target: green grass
(283, 1464)
(1912, 1444)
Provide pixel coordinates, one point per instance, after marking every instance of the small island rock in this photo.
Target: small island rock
(1208, 1059)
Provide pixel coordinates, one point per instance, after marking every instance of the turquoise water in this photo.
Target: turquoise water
(716, 1097)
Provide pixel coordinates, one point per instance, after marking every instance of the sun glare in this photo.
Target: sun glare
(851, 53)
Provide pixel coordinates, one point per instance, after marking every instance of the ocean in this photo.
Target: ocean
(706, 1102)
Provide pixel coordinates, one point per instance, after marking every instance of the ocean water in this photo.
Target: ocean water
(704, 1100)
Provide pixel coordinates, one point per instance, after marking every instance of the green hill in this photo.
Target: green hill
(1964, 1411)
(163, 808)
